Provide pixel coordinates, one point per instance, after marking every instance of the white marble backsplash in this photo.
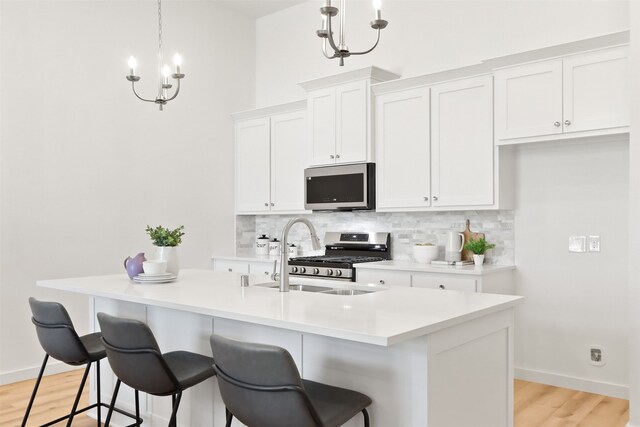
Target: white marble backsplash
(406, 228)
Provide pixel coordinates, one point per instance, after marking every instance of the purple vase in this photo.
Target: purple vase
(134, 265)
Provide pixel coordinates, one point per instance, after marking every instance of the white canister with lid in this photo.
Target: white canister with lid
(292, 250)
(274, 247)
(262, 245)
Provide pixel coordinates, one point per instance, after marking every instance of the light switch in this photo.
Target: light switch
(577, 243)
(594, 244)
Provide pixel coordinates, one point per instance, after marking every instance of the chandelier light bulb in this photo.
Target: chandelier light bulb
(177, 60)
(132, 66)
(377, 4)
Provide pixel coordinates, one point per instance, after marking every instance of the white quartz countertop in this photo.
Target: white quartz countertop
(470, 270)
(382, 318)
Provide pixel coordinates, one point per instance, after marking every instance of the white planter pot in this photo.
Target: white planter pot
(169, 254)
(478, 259)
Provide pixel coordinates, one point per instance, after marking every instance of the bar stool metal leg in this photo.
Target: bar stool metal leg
(229, 417)
(98, 392)
(35, 390)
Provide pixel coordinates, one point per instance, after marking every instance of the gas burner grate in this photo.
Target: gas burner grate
(343, 259)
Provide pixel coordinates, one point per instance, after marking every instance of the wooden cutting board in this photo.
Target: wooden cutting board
(468, 235)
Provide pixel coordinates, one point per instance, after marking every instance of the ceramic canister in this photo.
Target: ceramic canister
(262, 245)
(274, 247)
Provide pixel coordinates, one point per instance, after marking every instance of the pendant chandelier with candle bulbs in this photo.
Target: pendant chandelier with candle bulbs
(340, 49)
(163, 72)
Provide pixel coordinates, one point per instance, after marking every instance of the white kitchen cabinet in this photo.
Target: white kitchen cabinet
(230, 266)
(403, 149)
(435, 149)
(489, 278)
(244, 265)
(579, 95)
(270, 160)
(340, 125)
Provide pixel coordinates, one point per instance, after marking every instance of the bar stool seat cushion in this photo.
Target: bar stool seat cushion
(189, 368)
(94, 346)
(335, 405)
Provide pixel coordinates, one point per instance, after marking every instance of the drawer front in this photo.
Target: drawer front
(438, 281)
(231, 266)
(383, 277)
(262, 268)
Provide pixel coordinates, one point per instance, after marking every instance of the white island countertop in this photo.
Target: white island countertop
(382, 318)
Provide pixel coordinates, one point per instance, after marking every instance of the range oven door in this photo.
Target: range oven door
(340, 188)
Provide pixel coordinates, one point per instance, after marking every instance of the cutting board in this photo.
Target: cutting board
(468, 235)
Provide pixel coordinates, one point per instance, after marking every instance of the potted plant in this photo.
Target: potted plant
(478, 247)
(166, 242)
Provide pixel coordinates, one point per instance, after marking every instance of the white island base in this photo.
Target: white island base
(448, 364)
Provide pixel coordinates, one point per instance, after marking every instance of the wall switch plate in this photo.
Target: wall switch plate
(577, 243)
(596, 357)
(594, 243)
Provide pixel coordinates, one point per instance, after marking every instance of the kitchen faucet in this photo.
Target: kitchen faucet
(283, 276)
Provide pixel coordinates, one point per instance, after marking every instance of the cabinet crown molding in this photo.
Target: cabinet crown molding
(372, 73)
(270, 110)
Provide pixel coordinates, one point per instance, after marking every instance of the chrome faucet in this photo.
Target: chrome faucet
(283, 277)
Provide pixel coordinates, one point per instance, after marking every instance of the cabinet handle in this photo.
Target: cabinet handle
(231, 270)
(337, 156)
(266, 204)
(382, 282)
(567, 122)
(426, 199)
(266, 273)
(331, 156)
(435, 198)
(273, 204)
(556, 124)
(441, 287)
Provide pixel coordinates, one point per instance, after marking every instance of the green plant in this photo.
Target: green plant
(479, 246)
(161, 236)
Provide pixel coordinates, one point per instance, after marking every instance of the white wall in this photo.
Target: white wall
(572, 302)
(85, 166)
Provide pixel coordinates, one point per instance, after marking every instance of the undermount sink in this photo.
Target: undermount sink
(320, 289)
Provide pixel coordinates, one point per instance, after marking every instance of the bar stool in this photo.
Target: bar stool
(59, 340)
(261, 386)
(135, 358)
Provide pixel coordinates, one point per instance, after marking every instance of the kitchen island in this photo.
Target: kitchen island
(426, 357)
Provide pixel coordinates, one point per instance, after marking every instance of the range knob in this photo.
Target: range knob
(303, 270)
(316, 271)
(329, 272)
(338, 272)
(294, 269)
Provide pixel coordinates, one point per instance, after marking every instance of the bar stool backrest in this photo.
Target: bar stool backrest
(260, 384)
(135, 357)
(56, 334)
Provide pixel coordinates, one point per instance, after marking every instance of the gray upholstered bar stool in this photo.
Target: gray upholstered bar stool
(261, 386)
(59, 340)
(136, 360)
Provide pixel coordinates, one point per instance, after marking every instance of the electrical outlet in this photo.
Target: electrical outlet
(577, 243)
(596, 356)
(594, 244)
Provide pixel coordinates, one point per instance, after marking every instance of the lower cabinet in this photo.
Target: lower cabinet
(243, 266)
(500, 282)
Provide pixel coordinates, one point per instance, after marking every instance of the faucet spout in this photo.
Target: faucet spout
(284, 258)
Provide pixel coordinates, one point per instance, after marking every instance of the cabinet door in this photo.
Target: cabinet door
(351, 122)
(322, 117)
(383, 277)
(402, 149)
(231, 266)
(439, 281)
(252, 166)
(288, 160)
(462, 142)
(596, 92)
(262, 268)
(529, 100)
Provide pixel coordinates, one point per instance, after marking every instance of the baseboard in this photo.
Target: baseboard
(53, 367)
(581, 384)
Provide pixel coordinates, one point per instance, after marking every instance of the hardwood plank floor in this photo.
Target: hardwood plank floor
(536, 405)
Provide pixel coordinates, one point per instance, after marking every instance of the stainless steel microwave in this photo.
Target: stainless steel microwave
(340, 188)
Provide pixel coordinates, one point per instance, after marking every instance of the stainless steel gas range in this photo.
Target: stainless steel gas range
(342, 251)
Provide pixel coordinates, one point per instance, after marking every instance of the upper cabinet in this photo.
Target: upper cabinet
(340, 125)
(270, 160)
(434, 147)
(578, 95)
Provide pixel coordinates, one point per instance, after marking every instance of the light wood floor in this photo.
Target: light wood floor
(536, 405)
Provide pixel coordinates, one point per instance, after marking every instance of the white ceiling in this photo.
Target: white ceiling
(258, 8)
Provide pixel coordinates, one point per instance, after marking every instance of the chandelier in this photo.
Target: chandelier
(340, 49)
(163, 72)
